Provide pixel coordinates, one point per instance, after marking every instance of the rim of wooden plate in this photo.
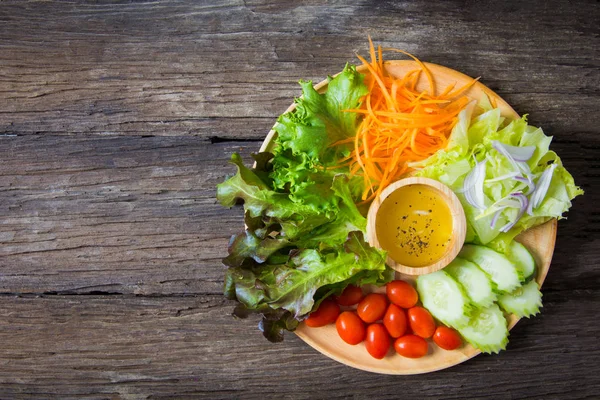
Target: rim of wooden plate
(539, 240)
(459, 224)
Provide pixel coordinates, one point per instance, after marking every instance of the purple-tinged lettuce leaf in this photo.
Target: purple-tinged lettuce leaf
(304, 234)
(268, 289)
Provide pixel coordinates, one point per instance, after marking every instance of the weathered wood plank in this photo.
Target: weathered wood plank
(125, 215)
(195, 68)
(136, 347)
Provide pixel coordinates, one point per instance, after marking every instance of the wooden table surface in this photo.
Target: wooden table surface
(117, 121)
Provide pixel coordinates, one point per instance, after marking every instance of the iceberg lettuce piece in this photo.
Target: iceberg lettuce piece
(504, 176)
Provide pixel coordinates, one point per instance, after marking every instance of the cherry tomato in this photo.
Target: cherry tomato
(411, 346)
(447, 338)
(402, 294)
(350, 296)
(378, 341)
(395, 321)
(326, 314)
(421, 322)
(372, 307)
(350, 327)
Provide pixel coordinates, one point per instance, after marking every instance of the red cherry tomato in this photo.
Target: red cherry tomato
(395, 321)
(411, 346)
(350, 296)
(447, 338)
(372, 307)
(402, 294)
(378, 341)
(350, 327)
(326, 314)
(421, 322)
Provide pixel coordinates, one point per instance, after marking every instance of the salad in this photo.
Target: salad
(305, 201)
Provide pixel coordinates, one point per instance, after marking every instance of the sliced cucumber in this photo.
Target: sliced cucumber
(522, 259)
(444, 298)
(476, 283)
(487, 330)
(525, 301)
(501, 270)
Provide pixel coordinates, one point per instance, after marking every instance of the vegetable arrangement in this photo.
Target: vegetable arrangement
(304, 204)
(304, 237)
(504, 174)
(399, 124)
(469, 293)
(383, 321)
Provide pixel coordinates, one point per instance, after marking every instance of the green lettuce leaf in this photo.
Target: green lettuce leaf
(248, 245)
(305, 137)
(261, 201)
(304, 233)
(471, 141)
(319, 120)
(292, 286)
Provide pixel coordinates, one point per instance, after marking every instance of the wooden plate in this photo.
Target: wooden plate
(539, 240)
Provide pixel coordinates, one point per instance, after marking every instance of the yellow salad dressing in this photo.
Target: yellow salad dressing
(414, 225)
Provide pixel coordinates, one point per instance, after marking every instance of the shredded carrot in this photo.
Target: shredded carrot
(399, 124)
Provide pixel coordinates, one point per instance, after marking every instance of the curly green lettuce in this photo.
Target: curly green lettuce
(304, 236)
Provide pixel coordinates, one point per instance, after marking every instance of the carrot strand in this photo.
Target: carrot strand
(399, 124)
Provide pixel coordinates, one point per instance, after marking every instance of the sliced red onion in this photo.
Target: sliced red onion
(524, 167)
(519, 153)
(495, 218)
(515, 155)
(478, 187)
(469, 181)
(508, 201)
(503, 177)
(543, 184)
(523, 206)
(521, 197)
(522, 202)
(502, 150)
(528, 181)
(473, 186)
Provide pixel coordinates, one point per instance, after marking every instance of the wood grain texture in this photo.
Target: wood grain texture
(228, 68)
(120, 214)
(116, 122)
(187, 347)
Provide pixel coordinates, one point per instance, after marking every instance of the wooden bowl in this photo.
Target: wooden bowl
(539, 240)
(459, 224)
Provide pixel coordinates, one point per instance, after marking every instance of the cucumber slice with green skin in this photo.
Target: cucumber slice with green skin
(444, 298)
(475, 282)
(501, 270)
(525, 301)
(522, 259)
(487, 330)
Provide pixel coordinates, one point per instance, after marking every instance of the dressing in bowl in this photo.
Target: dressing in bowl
(420, 223)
